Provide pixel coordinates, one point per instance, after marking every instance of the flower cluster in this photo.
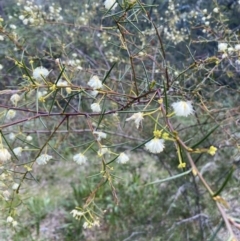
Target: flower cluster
(228, 50)
(75, 63)
(11, 221)
(36, 14)
(77, 214)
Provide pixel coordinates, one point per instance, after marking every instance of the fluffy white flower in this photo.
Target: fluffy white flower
(9, 219)
(86, 225)
(80, 159)
(183, 108)
(100, 135)
(103, 150)
(15, 186)
(6, 195)
(12, 26)
(25, 21)
(224, 55)
(31, 20)
(4, 155)
(110, 4)
(40, 73)
(96, 223)
(18, 151)
(62, 83)
(29, 138)
(10, 114)
(28, 9)
(137, 117)
(216, 10)
(21, 17)
(15, 98)
(230, 50)
(156, 145)
(95, 107)
(237, 47)
(95, 83)
(12, 136)
(43, 159)
(14, 223)
(94, 93)
(123, 158)
(222, 47)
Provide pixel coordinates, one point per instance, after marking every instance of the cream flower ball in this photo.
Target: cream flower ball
(43, 159)
(155, 146)
(95, 83)
(80, 159)
(4, 155)
(40, 73)
(122, 158)
(183, 108)
(96, 107)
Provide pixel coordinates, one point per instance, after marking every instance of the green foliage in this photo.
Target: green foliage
(125, 115)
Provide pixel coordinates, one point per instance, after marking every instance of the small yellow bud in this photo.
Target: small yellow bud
(165, 136)
(69, 90)
(212, 150)
(194, 171)
(53, 87)
(157, 133)
(182, 165)
(28, 168)
(41, 99)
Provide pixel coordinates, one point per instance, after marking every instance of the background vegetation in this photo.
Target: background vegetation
(148, 55)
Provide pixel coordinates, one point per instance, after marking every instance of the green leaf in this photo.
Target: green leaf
(205, 137)
(170, 178)
(60, 75)
(26, 70)
(108, 73)
(225, 182)
(216, 231)
(165, 99)
(145, 71)
(53, 101)
(142, 144)
(69, 99)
